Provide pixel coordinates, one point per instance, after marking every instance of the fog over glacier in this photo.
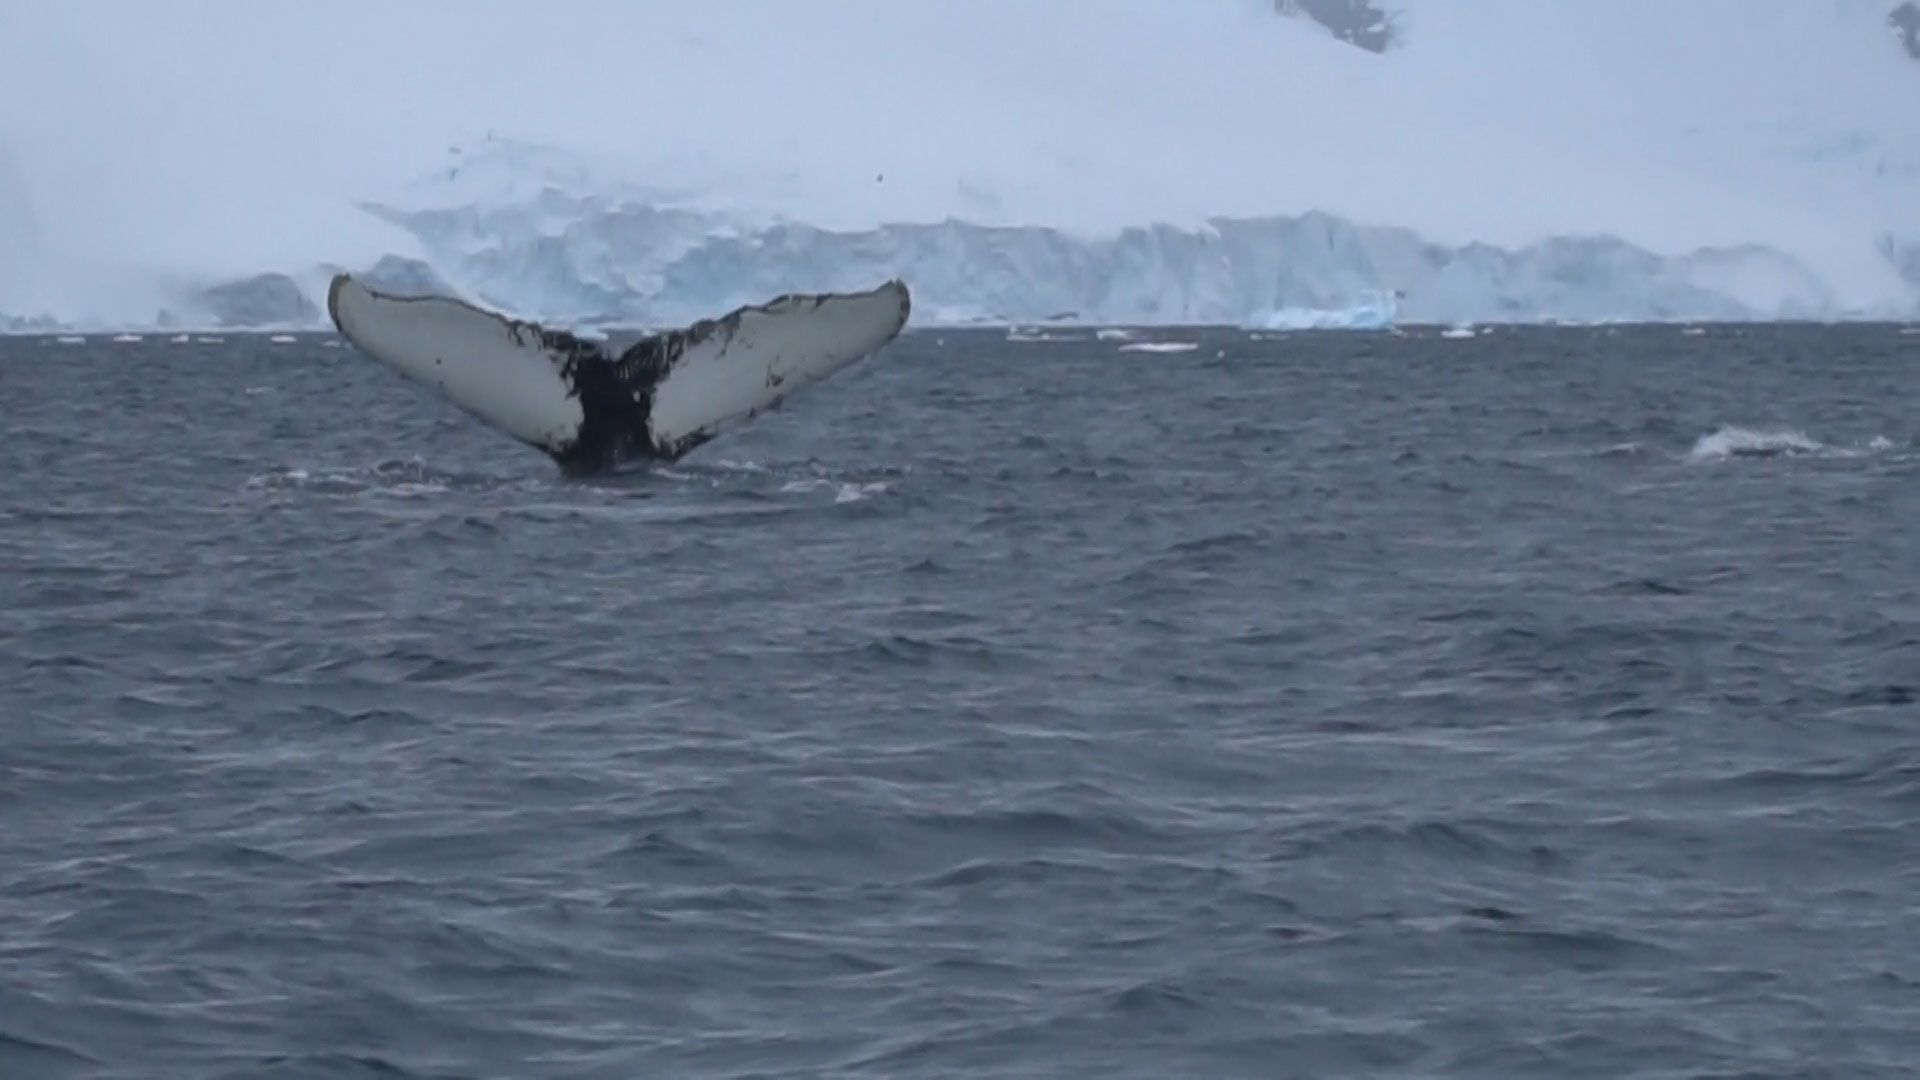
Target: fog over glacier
(1146, 161)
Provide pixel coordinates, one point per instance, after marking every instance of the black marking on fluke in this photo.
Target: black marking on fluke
(616, 401)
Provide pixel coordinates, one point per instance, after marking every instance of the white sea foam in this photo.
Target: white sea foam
(1731, 442)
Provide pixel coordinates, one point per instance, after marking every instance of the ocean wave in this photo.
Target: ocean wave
(1734, 442)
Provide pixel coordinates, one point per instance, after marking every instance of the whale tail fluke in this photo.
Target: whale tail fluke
(591, 409)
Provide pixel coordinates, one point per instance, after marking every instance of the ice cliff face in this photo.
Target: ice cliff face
(579, 258)
(532, 230)
(583, 258)
(18, 232)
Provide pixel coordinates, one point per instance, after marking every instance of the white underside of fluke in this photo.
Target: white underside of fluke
(722, 372)
(749, 361)
(493, 367)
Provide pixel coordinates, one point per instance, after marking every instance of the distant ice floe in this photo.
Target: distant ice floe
(1022, 333)
(1160, 346)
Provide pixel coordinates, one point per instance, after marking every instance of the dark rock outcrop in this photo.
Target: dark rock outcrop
(259, 301)
(1361, 23)
(1905, 21)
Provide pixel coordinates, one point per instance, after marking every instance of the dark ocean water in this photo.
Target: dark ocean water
(1545, 703)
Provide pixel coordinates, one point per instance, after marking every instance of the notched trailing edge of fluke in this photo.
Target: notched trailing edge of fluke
(696, 331)
(517, 329)
(773, 306)
(701, 330)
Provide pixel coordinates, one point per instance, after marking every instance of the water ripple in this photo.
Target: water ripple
(1531, 704)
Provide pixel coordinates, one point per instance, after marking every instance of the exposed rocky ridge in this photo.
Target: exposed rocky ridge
(1361, 23)
(1905, 21)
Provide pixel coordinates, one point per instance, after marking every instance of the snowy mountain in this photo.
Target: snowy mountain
(1115, 161)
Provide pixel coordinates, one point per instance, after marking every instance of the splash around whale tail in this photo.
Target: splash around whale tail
(591, 409)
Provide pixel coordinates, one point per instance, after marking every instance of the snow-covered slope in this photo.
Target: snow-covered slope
(601, 256)
(1105, 160)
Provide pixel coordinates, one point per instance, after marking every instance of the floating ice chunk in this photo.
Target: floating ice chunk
(1378, 311)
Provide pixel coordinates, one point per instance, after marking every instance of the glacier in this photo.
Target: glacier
(589, 259)
(1260, 163)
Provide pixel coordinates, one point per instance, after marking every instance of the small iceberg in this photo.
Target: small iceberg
(1375, 311)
